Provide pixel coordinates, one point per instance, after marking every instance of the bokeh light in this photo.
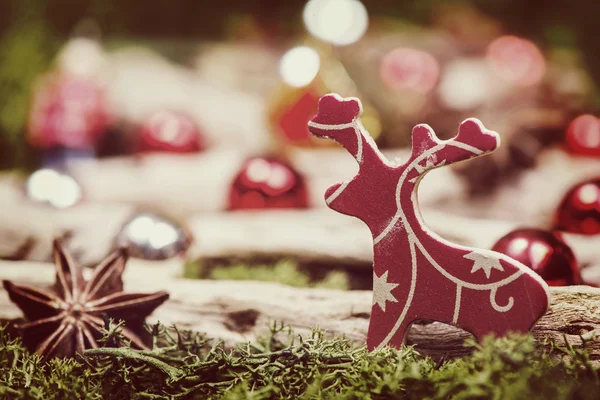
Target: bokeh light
(589, 194)
(49, 186)
(409, 69)
(464, 84)
(583, 135)
(516, 60)
(82, 57)
(339, 22)
(299, 66)
(146, 229)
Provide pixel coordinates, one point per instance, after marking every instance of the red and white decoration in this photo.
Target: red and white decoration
(68, 111)
(418, 274)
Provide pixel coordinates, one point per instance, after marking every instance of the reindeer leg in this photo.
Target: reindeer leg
(377, 339)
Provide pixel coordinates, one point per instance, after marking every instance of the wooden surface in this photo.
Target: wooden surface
(239, 311)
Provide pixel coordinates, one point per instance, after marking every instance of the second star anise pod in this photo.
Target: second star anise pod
(68, 318)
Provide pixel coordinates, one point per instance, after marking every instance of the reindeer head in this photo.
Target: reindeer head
(372, 194)
(338, 119)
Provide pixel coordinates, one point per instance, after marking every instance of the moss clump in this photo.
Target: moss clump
(284, 271)
(26, 376)
(186, 365)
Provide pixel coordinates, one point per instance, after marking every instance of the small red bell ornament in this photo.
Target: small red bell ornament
(544, 252)
(169, 131)
(579, 210)
(266, 182)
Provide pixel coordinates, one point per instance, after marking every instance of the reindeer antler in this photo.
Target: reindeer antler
(471, 132)
(473, 140)
(338, 119)
(335, 110)
(423, 139)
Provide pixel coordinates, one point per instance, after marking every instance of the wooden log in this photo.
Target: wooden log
(240, 311)
(325, 239)
(316, 237)
(27, 228)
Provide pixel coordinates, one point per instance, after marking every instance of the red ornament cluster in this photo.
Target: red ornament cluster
(265, 182)
(169, 131)
(67, 111)
(544, 252)
(579, 211)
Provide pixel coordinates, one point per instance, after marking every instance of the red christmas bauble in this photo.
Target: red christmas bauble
(67, 111)
(169, 131)
(579, 210)
(583, 135)
(265, 182)
(544, 252)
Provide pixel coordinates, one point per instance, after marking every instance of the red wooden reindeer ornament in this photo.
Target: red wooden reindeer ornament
(418, 274)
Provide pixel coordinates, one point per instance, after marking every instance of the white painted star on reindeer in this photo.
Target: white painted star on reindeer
(382, 290)
(484, 262)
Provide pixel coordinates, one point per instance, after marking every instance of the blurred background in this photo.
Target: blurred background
(178, 128)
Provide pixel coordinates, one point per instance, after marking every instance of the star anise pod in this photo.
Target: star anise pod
(68, 318)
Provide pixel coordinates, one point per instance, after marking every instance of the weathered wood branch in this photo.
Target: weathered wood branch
(178, 187)
(239, 311)
(314, 237)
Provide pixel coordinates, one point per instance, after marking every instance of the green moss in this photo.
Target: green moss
(282, 365)
(285, 272)
(27, 376)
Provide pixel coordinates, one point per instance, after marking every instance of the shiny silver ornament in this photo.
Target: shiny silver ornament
(151, 236)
